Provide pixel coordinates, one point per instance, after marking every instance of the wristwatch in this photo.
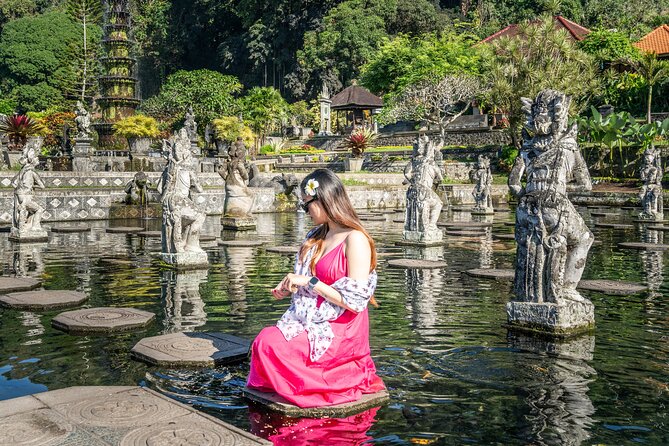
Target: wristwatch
(312, 282)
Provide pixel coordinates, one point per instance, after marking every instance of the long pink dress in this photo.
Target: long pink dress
(342, 374)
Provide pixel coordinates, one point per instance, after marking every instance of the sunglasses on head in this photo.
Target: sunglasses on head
(305, 204)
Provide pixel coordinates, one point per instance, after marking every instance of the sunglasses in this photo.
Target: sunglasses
(305, 205)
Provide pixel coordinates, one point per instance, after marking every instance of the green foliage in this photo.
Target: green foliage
(304, 149)
(14, 9)
(609, 46)
(305, 114)
(137, 126)
(53, 122)
(229, 128)
(7, 106)
(210, 93)
(507, 157)
(264, 109)
(405, 60)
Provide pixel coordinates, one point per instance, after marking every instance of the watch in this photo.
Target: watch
(312, 282)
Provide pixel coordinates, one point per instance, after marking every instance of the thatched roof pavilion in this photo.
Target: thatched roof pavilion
(358, 106)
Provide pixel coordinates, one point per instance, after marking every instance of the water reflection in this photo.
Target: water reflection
(33, 322)
(236, 259)
(184, 308)
(557, 392)
(283, 430)
(27, 259)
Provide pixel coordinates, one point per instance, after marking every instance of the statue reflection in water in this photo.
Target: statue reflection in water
(556, 389)
(424, 288)
(27, 259)
(184, 308)
(236, 259)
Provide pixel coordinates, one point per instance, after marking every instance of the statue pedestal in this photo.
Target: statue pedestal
(564, 319)
(29, 236)
(238, 223)
(81, 155)
(423, 238)
(187, 260)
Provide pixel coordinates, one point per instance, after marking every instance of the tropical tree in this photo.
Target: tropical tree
(653, 72)
(264, 110)
(86, 13)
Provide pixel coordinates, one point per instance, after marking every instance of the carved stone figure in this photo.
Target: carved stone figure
(27, 216)
(190, 125)
(651, 191)
(482, 178)
(553, 240)
(182, 220)
(83, 121)
(423, 204)
(137, 190)
(285, 184)
(238, 199)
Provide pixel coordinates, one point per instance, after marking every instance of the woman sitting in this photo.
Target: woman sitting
(318, 353)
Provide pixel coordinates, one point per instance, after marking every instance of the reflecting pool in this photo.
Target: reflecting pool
(455, 374)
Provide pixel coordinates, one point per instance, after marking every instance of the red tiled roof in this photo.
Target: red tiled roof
(576, 31)
(656, 41)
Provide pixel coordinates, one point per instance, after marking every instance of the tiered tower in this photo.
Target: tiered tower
(118, 85)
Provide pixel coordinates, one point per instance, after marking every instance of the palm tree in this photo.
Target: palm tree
(653, 71)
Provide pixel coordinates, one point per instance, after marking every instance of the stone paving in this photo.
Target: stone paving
(106, 416)
(13, 284)
(191, 349)
(416, 264)
(241, 243)
(43, 300)
(102, 320)
(70, 229)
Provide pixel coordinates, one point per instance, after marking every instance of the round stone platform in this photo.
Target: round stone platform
(647, 246)
(149, 234)
(275, 402)
(112, 415)
(614, 225)
(43, 299)
(102, 320)
(491, 273)
(603, 214)
(398, 220)
(204, 238)
(191, 349)
(283, 249)
(416, 264)
(70, 229)
(240, 243)
(124, 229)
(465, 233)
(464, 224)
(372, 218)
(14, 284)
(612, 287)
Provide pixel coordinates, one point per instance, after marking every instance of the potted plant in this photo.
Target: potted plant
(139, 130)
(18, 128)
(358, 141)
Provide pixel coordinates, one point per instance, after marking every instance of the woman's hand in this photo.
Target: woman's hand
(289, 285)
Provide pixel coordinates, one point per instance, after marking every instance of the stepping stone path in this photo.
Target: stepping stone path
(207, 238)
(283, 249)
(13, 284)
(460, 209)
(191, 349)
(102, 320)
(461, 233)
(647, 246)
(372, 218)
(240, 243)
(398, 220)
(465, 224)
(603, 214)
(43, 299)
(277, 403)
(124, 229)
(112, 415)
(491, 273)
(149, 234)
(70, 229)
(614, 225)
(417, 264)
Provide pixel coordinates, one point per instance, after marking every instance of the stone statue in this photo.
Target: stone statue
(423, 204)
(553, 240)
(83, 121)
(190, 125)
(285, 184)
(482, 178)
(182, 220)
(238, 198)
(651, 191)
(27, 217)
(137, 190)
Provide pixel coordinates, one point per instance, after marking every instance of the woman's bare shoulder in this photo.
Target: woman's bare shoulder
(356, 238)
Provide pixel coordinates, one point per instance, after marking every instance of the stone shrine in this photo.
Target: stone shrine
(27, 216)
(238, 199)
(423, 205)
(553, 240)
(652, 202)
(182, 220)
(482, 178)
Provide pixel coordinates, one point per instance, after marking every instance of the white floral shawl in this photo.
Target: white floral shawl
(303, 314)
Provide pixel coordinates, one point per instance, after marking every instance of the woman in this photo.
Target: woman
(318, 352)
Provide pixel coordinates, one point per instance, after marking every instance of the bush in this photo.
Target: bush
(53, 122)
(229, 128)
(304, 149)
(507, 157)
(137, 126)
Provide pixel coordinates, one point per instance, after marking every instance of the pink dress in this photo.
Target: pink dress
(343, 373)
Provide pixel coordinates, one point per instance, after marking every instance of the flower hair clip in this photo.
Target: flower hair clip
(310, 188)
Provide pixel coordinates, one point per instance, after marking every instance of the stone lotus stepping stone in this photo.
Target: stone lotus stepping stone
(614, 225)
(102, 320)
(124, 229)
(465, 233)
(13, 284)
(460, 209)
(504, 236)
(43, 299)
(204, 238)
(283, 249)
(398, 220)
(191, 349)
(491, 273)
(149, 234)
(275, 402)
(603, 214)
(465, 224)
(70, 229)
(372, 218)
(417, 264)
(641, 245)
(240, 243)
(614, 287)
(112, 415)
